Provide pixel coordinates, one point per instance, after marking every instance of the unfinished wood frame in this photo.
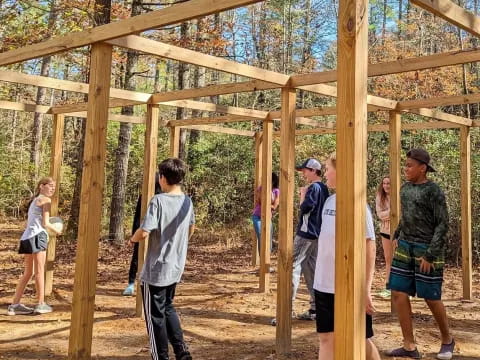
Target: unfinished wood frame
(258, 178)
(285, 231)
(55, 168)
(466, 209)
(83, 304)
(266, 209)
(148, 187)
(174, 141)
(351, 164)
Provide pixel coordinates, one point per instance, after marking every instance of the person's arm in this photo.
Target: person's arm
(440, 218)
(191, 230)
(276, 201)
(371, 248)
(311, 198)
(382, 214)
(45, 203)
(139, 235)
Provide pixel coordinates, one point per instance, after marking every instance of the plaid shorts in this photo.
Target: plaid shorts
(405, 275)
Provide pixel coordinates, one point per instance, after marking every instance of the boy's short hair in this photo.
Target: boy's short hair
(173, 170)
(333, 159)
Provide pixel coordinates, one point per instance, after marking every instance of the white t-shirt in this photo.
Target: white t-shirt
(325, 266)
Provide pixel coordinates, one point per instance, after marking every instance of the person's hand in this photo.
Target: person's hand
(425, 266)
(369, 308)
(131, 242)
(303, 190)
(394, 245)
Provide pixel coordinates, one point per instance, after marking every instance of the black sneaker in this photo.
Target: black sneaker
(182, 353)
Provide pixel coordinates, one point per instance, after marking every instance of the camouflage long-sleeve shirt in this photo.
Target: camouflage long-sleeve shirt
(424, 217)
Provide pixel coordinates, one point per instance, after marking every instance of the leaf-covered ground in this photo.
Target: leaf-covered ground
(222, 313)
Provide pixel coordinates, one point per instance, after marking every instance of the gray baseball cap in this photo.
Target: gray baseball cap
(311, 163)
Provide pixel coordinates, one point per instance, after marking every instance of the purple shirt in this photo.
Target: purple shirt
(258, 208)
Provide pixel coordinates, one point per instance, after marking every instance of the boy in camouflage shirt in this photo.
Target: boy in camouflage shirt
(418, 261)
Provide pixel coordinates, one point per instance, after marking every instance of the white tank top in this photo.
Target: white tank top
(34, 222)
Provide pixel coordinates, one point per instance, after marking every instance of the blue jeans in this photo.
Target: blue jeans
(257, 225)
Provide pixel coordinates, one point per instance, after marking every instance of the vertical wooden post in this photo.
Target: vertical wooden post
(285, 233)
(174, 141)
(395, 170)
(351, 180)
(466, 205)
(258, 169)
(148, 186)
(80, 343)
(55, 166)
(267, 139)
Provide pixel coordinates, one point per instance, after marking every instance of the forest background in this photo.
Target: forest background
(287, 36)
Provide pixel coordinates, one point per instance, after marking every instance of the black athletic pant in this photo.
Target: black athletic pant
(163, 324)
(132, 273)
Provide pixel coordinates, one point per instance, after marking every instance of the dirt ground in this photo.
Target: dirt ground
(222, 313)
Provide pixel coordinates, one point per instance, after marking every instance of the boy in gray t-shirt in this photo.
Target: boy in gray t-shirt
(169, 223)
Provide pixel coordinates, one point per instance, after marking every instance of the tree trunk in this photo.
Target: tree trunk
(101, 16)
(37, 128)
(182, 69)
(122, 153)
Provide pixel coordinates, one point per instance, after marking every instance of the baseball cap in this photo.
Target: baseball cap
(312, 164)
(422, 156)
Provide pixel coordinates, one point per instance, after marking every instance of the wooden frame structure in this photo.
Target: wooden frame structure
(353, 103)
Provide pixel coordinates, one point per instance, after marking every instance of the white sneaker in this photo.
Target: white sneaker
(42, 309)
(19, 309)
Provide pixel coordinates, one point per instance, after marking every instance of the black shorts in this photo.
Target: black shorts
(386, 236)
(34, 244)
(325, 307)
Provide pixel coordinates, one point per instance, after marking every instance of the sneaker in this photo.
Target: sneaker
(273, 322)
(446, 351)
(129, 290)
(182, 353)
(42, 309)
(19, 309)
(385, 293)
(310, 315)
(403, 353)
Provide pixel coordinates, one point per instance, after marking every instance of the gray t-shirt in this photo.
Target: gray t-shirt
(168, 219)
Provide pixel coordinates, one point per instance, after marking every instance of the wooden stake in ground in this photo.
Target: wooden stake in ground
(351, 180)
(80, 342)
(148, 187)
(285, 233)
(258, 169)
(266, 195)
(55, 167)
(466, 206)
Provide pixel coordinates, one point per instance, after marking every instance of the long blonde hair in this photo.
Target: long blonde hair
(333, 159)
(382, 194)
(43, 181)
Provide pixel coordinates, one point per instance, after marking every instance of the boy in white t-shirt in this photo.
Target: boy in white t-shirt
(324, 282)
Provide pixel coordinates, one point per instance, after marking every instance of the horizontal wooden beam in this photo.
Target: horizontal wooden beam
(440, 115)
(66, 85)
(212, 90)
(452, 13)
(62, 109)
(167, 16)
(430, 125)
(172, 52)
(439, 101)
(394, 67)
(220, 130)
(16, 106)
(207, 120)
(204, 106)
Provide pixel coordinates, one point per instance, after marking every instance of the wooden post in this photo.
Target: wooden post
(55, 166)
(466, 205)
(174, 141)
(148, 187)
(351, 180)
(285, 233)
(267, 139)
(395, 170)
(93, 177)
(258, 169)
